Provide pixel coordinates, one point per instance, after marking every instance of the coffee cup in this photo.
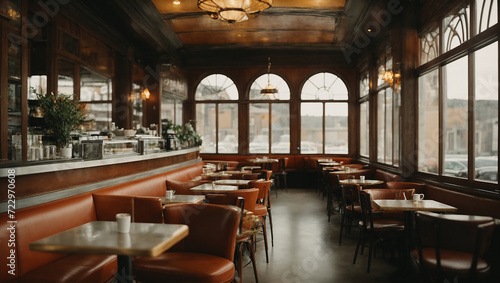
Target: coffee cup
(123, 221)
(418, 197)
(362, 178)
(170, 194)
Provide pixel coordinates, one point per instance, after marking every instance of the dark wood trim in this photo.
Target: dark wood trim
(3, 89)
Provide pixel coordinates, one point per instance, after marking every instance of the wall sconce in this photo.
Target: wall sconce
(393, 78)
(145, 94)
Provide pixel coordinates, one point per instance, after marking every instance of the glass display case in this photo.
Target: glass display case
(150, 144)
(108, 148)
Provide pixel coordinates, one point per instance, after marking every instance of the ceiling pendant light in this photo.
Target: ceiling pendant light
(234, 11)
(269, 89)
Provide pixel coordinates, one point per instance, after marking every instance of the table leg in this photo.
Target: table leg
(124, 274)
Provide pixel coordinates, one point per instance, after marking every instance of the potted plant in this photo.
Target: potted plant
(61, 115)
(192, 138)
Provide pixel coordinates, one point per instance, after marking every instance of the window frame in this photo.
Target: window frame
(475, 42)
(323, 103)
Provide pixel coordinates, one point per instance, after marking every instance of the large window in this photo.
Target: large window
(217, 114)
(364, 116)
(269, 116)
(458, 98)
(95, 94)
(388, 105)
(324, 112)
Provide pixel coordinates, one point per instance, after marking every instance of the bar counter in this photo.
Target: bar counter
(46, 181)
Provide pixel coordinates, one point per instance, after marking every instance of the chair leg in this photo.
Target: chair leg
(264, 231)
(286, 187)
(240, 262)
(342, 220)
(271, 223)
(357, 247)
(252, 257)
(370, 253)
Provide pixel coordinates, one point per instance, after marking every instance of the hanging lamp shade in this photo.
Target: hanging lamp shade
(234, 11)
(269, 89)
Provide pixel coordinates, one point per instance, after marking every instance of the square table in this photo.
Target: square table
(208, 188)
(102, 237)
(410, 205)
(183, 199)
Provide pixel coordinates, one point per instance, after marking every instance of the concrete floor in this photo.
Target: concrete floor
(306, 247)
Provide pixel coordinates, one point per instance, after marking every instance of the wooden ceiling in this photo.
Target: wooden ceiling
(288, 24)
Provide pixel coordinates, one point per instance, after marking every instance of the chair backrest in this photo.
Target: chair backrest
(334, 184)
(350, 195)
(182, 187)
(419, 187)
(366, 210)
(212, 228)
(148, 210)
(391, 193)
(231, 198)
(283, 163)
(263, 186)
(456, 232)
(107, 206)
(265, 174)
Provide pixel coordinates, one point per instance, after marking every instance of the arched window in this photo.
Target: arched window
(217, 114)
(324, 112)
(269, 116)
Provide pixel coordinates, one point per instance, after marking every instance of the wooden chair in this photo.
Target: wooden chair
(263, 208)
(375, 230)
(350, 209)
(206, 254)
(333, 193)
(452, 247)
(280, 173)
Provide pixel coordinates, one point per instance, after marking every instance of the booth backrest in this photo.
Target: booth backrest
(153, 186)
(40, 221)
(466, 204)
(186, 173)
(107, 206)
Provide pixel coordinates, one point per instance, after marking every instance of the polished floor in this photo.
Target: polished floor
(306, 247)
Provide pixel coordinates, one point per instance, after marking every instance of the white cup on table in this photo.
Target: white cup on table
(123, 221)
(170, 194)
(418, 197)
(362, 178)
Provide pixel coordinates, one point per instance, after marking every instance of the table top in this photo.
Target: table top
(183, 199)
(207, 188)
(250, 167)
(409, 205)
(241, 172)
(217, 174)
(232, 182)
(101, 237)
(262, 160)
(333, 163)
(361, 183)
